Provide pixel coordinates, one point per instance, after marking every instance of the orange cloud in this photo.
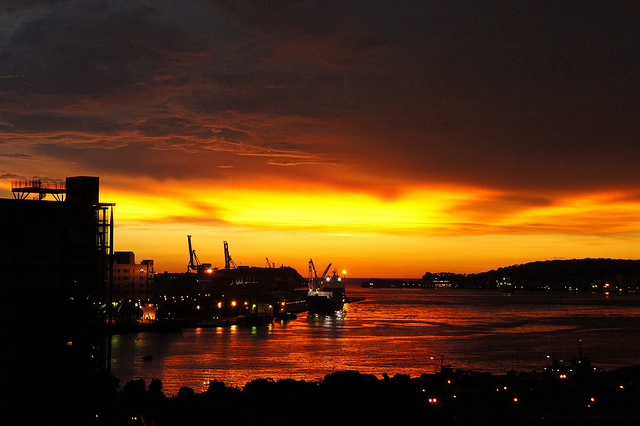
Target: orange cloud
(421, 226)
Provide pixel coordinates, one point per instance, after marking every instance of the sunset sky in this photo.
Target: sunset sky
(391, 138)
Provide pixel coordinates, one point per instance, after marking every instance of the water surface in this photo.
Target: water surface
(406, 331)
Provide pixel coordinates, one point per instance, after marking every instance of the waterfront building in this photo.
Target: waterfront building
(131, 280)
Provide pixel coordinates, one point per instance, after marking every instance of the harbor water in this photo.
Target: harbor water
(395, 331)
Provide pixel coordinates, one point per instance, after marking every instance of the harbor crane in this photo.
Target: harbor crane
(324, 274)
(194, 262)
(228, 261)
(315, 282)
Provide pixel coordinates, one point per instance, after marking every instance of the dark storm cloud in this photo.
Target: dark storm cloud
(499, 94)
(54, 122)
(334, 34)
(462, 65)
(135, 159)
(318, 93)
(178, 126)
(231, 134)
(513, 94)
(91, 49)
(18, 156)
(13, 5)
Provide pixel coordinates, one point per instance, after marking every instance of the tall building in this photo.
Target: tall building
(55, 250)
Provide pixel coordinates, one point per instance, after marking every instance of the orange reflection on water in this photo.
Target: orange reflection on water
(394, 331)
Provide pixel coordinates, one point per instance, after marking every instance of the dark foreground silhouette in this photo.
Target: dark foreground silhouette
(348, 397)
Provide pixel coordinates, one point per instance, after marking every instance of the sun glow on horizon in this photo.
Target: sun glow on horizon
(455, 229)
(436, 229)
(416, 211)
(441, 211)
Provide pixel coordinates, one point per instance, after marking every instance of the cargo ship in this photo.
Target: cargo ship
(326, 294)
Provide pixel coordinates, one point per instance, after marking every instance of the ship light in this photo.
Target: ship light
(233, 303)
(219, 304)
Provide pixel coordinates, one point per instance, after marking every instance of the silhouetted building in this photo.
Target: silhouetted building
(53, 246)
(54, 281)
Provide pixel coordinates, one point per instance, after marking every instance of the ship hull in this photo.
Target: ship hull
(323, 305)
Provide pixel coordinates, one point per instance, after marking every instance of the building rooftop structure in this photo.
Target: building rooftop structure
(63, 243)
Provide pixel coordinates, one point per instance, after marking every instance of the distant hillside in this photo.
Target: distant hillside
(575, 274)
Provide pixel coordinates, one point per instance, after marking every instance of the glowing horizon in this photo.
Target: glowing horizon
(355, 230)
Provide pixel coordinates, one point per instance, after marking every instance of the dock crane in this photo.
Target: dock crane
(228, 261)
(313, 276)
(314, 282)
(194, 262)
(324, 274)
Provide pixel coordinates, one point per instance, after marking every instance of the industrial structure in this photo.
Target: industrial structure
(228, 261)
(194, 263)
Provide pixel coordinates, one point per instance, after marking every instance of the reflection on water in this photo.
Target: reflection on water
(394, 331)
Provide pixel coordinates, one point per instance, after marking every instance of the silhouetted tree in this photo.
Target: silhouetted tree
(155, 388)
(185, 392)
